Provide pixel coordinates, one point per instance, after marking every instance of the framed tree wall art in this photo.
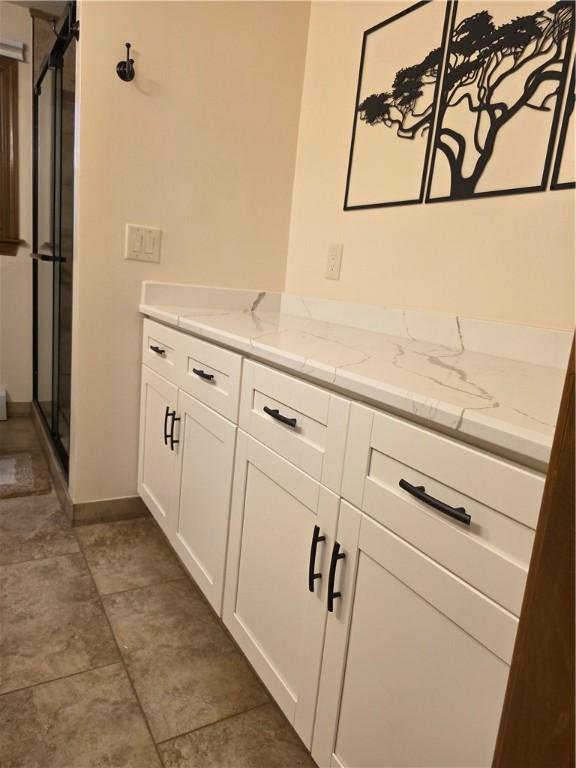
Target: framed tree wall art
(395, 108)
(563, 175)
(505, 74)
(458, 100)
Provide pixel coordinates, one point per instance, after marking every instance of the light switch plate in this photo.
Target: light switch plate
(334, 261)
(143, 243)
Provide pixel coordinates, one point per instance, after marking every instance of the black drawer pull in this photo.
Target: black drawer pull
(166, 416)
(172, 441)
(336, 555)
(312, 575)
(203, 374)
(457, 513)
(158, 350)
(275, 413)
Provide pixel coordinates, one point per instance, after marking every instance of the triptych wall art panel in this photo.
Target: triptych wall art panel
(563, 176)
(458, 100)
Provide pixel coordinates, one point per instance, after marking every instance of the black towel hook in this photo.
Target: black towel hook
(125, 69)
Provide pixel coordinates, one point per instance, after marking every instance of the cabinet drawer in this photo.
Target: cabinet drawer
(161, 350)
(502, 499)
(315, 438)
(211, 374)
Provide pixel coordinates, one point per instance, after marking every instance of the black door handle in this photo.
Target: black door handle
(203, 374)
(46, 257)
(275, 413)
(312, 576)
(457, 513)
(172, 441)
(166, 416)
(336, 555)
(158, 350)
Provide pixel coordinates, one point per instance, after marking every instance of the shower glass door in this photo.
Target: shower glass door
(44, 248)
(53, 234)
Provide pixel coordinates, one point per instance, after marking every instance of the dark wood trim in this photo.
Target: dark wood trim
(537, 724)
(9, 221)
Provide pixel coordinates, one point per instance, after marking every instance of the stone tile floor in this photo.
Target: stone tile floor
(111, 657)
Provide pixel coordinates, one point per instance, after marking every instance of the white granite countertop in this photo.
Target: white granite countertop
(431, 368)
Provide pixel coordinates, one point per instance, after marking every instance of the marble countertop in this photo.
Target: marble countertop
(506, 405)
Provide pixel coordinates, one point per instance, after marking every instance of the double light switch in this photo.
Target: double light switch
(142, 243)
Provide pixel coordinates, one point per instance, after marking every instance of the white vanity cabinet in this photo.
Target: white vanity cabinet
(158, 461)
(186, 452)
(198, 530)
(371, 570)
(415, 661)
(282, 525)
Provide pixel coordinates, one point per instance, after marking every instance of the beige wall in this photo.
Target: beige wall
(16, 271)
(506, 258)
(201, 144)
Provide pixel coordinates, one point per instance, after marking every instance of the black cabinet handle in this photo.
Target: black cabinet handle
(275, 413)
(312, 576)
(158, 350)
(203, 374)
(172, 441)
(166, 416)
(336, 555)
(456, 513)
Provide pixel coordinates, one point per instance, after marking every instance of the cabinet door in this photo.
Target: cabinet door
(417, 676)
(158, 456)
(200, 528)
(268, 608)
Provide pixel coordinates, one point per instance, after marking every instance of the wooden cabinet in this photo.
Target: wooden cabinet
(268, 608)
(9, 216)
(158, 460)
(415, 661)
(199, 528)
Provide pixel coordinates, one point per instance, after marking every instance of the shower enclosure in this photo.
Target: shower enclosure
(53, 148)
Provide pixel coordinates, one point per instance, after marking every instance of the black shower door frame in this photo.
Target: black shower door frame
(52, 254)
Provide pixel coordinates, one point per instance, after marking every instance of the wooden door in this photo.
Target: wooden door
(537, 728)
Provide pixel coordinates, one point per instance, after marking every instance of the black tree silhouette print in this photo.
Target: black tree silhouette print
(482, 62)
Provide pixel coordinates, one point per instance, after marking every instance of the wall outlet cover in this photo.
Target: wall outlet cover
(334, 261)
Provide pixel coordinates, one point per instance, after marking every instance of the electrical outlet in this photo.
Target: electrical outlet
(334, 261)
(142, 243)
